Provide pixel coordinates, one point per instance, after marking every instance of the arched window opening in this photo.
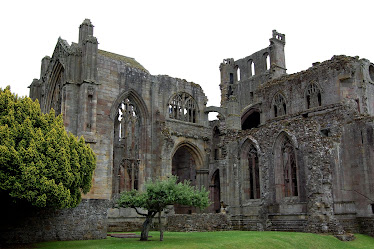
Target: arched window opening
(313, 96)
(126, 150)
(231, 78)
(267, 61)
(251, 121)
(279, 105)
(253, 174)
(253, 72)
(213, 116)
(54, 89)
(183, 107)
(238, 73)
(288, 161)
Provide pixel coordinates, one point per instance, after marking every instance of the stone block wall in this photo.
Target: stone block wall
(366, 225)
(24, 225)
(197, 222)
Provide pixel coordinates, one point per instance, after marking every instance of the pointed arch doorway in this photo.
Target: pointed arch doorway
(215, 193)
(185, 164)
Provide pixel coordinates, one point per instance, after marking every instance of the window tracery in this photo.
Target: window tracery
(128, 135)
(279, 105)
(289, 168)
(254, 173)
(183, 107)
(313, 96)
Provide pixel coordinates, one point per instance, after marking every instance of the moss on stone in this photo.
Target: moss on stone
(131, 62)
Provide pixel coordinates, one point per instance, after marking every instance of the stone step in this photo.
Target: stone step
(288, 225)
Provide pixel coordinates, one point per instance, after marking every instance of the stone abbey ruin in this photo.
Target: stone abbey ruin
(288, 152)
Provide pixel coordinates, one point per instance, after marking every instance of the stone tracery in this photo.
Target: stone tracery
(279, 105)
(127, 134)
(313, 96)
(183, 107)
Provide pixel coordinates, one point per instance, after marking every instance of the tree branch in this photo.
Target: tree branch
(137, 211)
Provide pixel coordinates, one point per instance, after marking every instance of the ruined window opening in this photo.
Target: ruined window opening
(252, 121)
(279, 105)
(267, 61)
(371, 72)
(129, 176)
(216, 154)
(252, 68)
(90, 108)
(372, 208)
(128, 135)
(313, 96)
(231, 78)
(238, 74)
(251, 96)
(254, 174)
(183, 107)
(89, 112)
(289, 169)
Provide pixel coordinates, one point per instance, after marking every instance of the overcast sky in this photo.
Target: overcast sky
(183, 39)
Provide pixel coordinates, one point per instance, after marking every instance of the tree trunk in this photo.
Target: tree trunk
(146, 227)
(160, 226)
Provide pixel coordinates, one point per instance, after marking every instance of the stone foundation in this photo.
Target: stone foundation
(24, 225)
(366, 225)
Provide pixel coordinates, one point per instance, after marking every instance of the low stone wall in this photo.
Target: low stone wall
(87, 221)
(366, 225)
(124, 220)
(197, 222)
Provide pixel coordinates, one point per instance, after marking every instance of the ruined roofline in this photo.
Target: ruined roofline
(196, 85)
(337, 62)
(128, 60)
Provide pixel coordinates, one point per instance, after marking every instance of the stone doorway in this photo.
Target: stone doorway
(184, 166)
(215, 193)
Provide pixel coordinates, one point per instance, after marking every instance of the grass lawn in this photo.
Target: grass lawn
(227, 239)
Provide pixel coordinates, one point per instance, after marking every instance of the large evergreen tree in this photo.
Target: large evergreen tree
(158, 195)
(39, 162)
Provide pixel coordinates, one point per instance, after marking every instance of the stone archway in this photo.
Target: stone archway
(251, 119)
(215, 193)
(185, 165)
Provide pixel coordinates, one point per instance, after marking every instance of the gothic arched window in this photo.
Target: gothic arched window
(313, 96)
(127, 135)
(254, 173)
(279, 105)
(288, 162)
(183, 107)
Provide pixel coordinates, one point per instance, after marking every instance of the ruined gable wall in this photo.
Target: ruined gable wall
(114, 78)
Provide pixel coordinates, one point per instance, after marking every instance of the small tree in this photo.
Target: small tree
(39, 162)
(158, 195)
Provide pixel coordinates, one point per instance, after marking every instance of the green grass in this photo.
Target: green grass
(228, 239)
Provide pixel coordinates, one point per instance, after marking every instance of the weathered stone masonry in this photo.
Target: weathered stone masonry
(288, 152)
